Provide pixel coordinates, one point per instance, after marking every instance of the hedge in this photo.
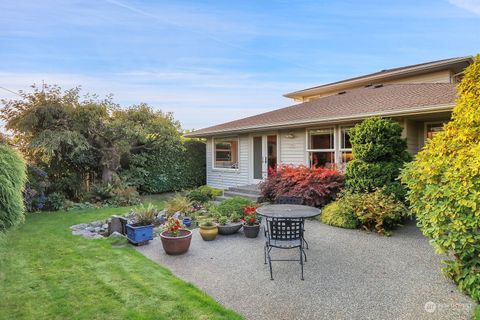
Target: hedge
(444, 187)
(12, 183)
(379, 153)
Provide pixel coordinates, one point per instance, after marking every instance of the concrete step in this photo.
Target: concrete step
(230, 194)
(244, 190)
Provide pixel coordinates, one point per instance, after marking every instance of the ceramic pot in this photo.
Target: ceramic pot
(229, 228)
(176, 245)
(208, 233)
(187, 222)
(251, 231)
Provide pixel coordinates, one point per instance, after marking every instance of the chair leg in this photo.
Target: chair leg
(301, 261)
(265, 253)
(305, 243)
(270, 263)
(305, 254)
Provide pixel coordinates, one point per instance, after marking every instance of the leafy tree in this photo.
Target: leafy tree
(380, 153)
(12, 183)
(80, 139)
(444, 186)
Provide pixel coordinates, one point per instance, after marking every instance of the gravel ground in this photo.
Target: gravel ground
(350, 274)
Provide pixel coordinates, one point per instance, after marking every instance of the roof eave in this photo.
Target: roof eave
(296, 124)
(332, 86)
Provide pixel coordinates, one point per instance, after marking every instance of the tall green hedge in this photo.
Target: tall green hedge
(379, 153)
(444, 187)
(169, 168)
(12, 183)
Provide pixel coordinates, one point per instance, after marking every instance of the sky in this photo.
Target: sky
(213, 61)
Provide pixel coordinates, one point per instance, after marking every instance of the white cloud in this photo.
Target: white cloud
(472, 6)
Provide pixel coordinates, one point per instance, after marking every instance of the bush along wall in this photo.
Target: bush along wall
(444, 187)
(316, 186)
(175, 168)
(379, 153)
(12, 183)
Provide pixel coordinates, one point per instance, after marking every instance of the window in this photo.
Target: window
(321, 147)
(432, 128)
(345, 145)
(225, 153)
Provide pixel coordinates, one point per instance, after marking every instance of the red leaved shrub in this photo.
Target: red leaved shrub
(316, 186)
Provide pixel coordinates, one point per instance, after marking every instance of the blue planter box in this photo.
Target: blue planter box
(139, 234)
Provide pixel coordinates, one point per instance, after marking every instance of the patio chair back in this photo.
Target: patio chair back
(284, 229)
(289, 200)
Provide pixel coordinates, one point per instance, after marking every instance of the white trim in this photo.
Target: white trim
(301, 123)
(264, 137)
(333, 129)
(340, 139)
(238, 154)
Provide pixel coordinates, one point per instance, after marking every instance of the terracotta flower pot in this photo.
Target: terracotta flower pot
(251, 231)
(208, 233)
(229, 228)
(176, 245)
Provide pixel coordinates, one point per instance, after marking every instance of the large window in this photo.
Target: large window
(225, 153)
(321, 147)
(432, 128)
(345, 145)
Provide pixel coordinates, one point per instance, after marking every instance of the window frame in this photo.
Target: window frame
(425, 125)
(332, 150)
(237, 138)
(340, 149)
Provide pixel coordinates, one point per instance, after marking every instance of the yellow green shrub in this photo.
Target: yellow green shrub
(444, 187)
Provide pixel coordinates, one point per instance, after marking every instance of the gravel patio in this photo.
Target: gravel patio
(350, 274)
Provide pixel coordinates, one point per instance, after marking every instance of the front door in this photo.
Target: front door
(264, 155)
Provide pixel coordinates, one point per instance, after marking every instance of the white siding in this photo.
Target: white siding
(411, 128)
(223, 179)
(293, 150)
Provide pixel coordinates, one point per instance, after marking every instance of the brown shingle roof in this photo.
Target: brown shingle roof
(461, 62)
(355, 103)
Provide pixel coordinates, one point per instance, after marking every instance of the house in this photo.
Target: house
(315, 130)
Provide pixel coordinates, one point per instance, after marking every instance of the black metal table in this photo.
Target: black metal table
(284, 228)
(288, 211)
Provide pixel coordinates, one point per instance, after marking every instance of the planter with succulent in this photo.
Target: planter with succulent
(251, 224)
(141, 231)
(208, 230)
(175, 238)
(229, 225)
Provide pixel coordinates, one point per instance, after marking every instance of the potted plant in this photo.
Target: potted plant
(175, 239)
(141, 231)
(208, 230)
(229, 225)
(251, 225)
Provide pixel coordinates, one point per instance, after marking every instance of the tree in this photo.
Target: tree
(12, 183)
(81, 138)
(444, 186)
(379, 153)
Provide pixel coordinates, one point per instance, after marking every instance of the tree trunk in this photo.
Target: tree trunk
(110, 164)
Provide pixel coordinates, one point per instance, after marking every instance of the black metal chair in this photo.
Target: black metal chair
(289, 200)
(295, 201)
(284, 233)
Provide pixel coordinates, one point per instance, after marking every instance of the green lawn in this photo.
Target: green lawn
(47, 273)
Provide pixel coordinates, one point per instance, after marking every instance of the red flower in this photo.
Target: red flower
(252, 220)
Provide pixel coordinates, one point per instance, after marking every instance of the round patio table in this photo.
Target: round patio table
(291, 211)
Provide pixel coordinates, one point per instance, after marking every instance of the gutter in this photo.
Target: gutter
(303, 123)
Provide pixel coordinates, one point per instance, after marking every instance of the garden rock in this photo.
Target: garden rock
(116, 235)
